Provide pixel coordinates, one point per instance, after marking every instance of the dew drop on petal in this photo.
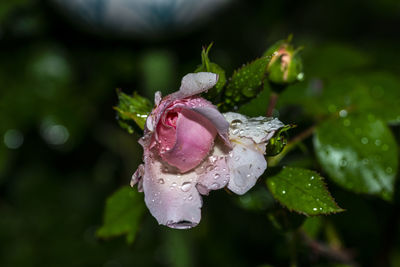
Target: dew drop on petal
(214, 185)
(161, 181)
(186, 186)
(216, 176)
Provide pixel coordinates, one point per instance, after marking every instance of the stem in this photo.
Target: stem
(329, 252)
(274, 161)
(292, 238)
(273, 99)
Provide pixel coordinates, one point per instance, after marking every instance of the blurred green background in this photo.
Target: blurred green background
(62, 152)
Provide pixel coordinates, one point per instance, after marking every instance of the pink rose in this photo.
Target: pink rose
(188, 151)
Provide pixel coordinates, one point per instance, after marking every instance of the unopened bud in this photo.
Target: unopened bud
(285, 66)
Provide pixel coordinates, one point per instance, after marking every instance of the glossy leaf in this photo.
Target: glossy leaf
(123, 212)
(132, 110)
(359, 153)
(208, 66)
(246, 83)
(376, 93)
(302, 191)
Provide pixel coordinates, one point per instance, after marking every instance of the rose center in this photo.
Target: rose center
(171, 118)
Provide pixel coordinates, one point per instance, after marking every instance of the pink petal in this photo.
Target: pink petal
(219, 121)
(194, 139)
(137, 178)
(171, 197)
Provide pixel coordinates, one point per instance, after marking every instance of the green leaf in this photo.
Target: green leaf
(258, 105)
(376, 93)
(132, 109)
(359, 153)
(302, 191)
(123, 212)
(246, 83)
(208, 66)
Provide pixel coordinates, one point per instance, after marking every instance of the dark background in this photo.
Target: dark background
(57, 90)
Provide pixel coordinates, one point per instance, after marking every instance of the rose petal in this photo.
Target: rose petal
(246, 163)
(219, 121)
(214, 172)
(194, 139)
(195, 83)
(259, 129)
(171, 197)
(137, 178)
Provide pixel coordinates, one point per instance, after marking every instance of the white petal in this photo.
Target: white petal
(259, 129)
(214, 172)
(246, 163)
(195, 83)
(171, 197)
(157, 98)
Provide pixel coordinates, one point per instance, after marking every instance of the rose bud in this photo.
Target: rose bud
(285, 66)
(190, 148)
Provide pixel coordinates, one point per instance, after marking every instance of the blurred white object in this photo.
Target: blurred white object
(147, 18)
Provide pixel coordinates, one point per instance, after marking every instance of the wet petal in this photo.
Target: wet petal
(246, 163)
(195, 83)
(171, 197)
(137, 178)
(259, 129)
(214, 172)
(194, 139)
(219, 121)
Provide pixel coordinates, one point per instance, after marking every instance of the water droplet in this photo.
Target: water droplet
(161, 181)
(237, 158)
(364, 140)
(216, 176)
(236, 123)
(248, 175)
(300, 76)
(314, 209)
(389, 170)
(378, 142)
(190, 197)
(343, 163)
(283, 192)
(214, 186)
(213, 159)
(235, 131)
(343, 113)
(309, 185)
(210, 168)
(312, 178)
(186, 186)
